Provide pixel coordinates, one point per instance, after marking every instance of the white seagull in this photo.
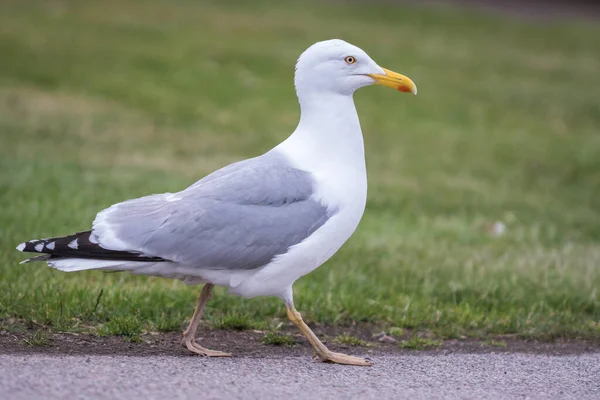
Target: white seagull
(257, 225)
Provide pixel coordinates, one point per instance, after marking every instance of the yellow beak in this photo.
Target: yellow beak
(395, 81)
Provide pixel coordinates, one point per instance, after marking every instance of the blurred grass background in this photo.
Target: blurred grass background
(103, 101)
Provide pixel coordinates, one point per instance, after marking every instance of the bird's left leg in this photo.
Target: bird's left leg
(324, 353)
(189, 336)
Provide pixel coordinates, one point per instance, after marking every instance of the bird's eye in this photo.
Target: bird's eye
(350, 60)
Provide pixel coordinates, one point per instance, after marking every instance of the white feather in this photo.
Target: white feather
(104, 234)
(83, 264)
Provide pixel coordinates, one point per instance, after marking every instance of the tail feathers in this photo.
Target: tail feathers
(81, 245)
(83, 264)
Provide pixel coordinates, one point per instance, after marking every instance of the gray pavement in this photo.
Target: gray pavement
(439, 376)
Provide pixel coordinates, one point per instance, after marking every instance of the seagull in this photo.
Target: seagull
(257, 225)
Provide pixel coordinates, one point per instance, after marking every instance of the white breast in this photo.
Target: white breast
(341, 188)
(327, 143)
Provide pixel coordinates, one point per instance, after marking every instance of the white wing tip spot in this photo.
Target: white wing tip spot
(21, 247)
(39, 247)
(73, 244)
(50, 246)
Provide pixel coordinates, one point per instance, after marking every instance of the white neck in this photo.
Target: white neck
(328, 133)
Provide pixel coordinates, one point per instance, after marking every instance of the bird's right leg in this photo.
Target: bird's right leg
(189, 336)
(324, 353)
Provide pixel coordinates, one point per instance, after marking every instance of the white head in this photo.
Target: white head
(337, 67)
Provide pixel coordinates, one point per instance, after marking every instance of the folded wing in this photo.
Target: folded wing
(239, 217)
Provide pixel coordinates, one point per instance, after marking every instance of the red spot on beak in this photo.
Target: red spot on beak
(404, 89)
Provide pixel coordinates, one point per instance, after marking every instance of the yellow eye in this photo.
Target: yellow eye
(350, 60)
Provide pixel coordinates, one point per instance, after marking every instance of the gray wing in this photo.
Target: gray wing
(239, 217)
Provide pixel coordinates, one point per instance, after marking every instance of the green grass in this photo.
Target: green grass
(37, 339)
(419, 343)
(104, 101)
(276, 339)
(130, 327)
(235, 321)
(396, 331)
(169, 323)
(349, 340)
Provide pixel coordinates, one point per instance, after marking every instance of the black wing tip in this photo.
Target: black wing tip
(79, 245)
(37, 246)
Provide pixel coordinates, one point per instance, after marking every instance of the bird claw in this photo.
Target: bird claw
(340, 358)
(195, 348)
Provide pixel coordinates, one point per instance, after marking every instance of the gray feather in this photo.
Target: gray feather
(238, 217)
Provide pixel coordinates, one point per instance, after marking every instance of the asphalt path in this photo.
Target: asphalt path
(420, 376)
